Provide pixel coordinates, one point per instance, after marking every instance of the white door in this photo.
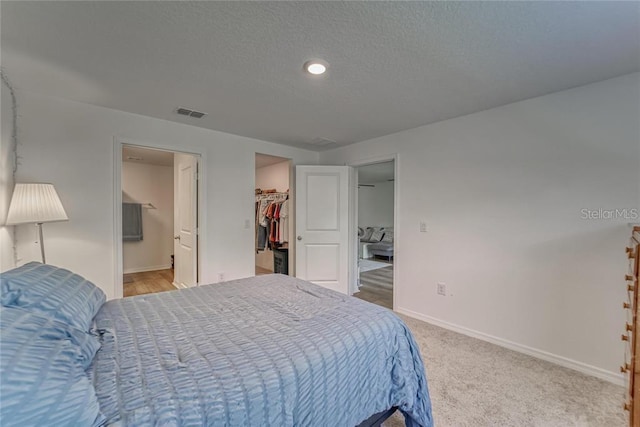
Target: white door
(322, 226)
(185, 207)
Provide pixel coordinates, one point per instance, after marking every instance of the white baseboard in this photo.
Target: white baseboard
(151, 268)
(612, 377)
(179, 285)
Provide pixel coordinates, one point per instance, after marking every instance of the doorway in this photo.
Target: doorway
(159, 220)
(375, 224)
(273, 213)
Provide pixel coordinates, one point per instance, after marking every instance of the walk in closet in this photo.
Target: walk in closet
(272, 214)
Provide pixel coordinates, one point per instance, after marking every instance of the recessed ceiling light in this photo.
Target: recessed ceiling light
(315, 67)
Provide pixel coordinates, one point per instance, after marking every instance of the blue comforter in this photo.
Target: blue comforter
(264, 351)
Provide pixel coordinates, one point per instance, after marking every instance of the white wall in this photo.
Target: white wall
(273, 176)
(502, 192)
(270, 177)
(144, 183)
(6, 179)
(71, 145)
(375, 205)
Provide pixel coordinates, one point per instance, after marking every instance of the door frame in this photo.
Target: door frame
(353, 201)
(292, 210)
(118, 144)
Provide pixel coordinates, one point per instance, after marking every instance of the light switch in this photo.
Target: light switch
(423, 226)
(247, 224)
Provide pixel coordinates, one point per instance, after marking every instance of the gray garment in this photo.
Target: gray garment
(262, 237)
(131, 222)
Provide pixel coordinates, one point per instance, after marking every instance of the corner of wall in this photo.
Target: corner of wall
(8, 147)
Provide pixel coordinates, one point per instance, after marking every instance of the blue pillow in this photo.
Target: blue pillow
(34, 326)
(42, 377)
(53, 291)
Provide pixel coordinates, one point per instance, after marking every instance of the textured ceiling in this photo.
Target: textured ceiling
(392, 65)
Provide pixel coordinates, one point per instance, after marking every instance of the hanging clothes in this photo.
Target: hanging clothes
(256, 213)
(270, 232)
(284, 222)
(264, 207)
(276, 222)
(262, 238)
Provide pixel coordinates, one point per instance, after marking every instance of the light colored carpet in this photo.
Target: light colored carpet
(369, 265)
(475, 383)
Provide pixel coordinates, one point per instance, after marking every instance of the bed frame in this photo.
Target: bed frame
(376, 420)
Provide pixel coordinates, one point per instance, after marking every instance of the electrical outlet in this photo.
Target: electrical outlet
(423, 226)
(442, 289)
(220, 277)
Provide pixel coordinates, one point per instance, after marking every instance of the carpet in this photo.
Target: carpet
(369, 265)
(475, 383)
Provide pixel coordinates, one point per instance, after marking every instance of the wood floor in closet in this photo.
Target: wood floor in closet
(148, 282)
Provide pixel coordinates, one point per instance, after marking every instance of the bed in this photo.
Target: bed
(263, 351)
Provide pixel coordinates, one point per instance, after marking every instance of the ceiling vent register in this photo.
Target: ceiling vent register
(320, 142)
(191, 113)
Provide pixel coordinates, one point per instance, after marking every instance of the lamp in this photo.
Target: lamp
(35, 203)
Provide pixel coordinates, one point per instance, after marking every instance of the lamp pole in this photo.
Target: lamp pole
(39, 225)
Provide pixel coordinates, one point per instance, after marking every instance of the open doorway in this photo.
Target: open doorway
(375, 219)
(159, 220)
(272, 214)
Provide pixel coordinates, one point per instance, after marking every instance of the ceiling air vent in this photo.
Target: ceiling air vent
(321, 142)
(191, 113)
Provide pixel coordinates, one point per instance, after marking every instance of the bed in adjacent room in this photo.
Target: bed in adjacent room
(269, 350)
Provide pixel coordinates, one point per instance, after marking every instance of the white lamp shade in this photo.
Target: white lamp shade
(35, 202)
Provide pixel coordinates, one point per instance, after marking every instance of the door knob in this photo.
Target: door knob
(176, 237)
(299, 237)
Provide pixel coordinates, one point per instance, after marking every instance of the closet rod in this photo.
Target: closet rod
(272, 196)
